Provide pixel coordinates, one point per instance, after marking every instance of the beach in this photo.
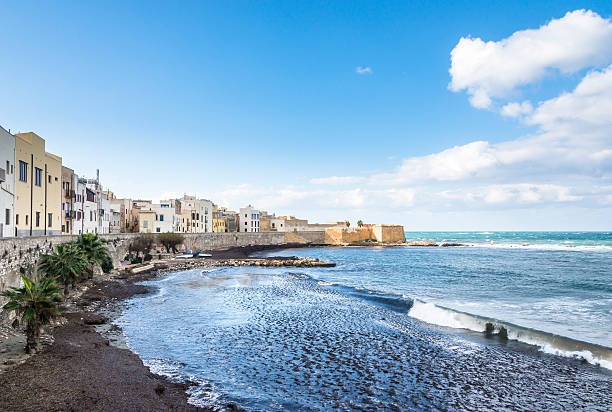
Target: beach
(80, 368)
(218, 334)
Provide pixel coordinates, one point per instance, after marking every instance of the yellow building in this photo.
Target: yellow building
(146, 221)
(38, 181)
(219, 221)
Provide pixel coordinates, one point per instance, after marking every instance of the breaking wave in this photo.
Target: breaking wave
(546, 342)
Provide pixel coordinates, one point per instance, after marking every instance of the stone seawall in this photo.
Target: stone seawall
(25, 251)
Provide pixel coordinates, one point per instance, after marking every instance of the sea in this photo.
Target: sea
(509, 320)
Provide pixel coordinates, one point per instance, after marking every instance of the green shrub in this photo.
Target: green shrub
(148, 257)
(107, 264)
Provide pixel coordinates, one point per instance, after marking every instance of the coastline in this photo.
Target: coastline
(84, 362)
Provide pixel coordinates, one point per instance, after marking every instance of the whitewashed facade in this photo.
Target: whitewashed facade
(249, 219)
(206, 208)
(7, 184)
(86, 208)
(165, 216)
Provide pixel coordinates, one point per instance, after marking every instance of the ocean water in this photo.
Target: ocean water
(392, 328)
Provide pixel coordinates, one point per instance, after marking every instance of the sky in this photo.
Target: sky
(475, 115)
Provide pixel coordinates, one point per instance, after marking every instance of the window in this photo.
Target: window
(157, 230)
(7, 166)
(37, 176)
(23, 171)
(145, 224)
(16, 219)
(7, 217)
(27, 219)
(37, 219)
(49, 178)
(49, 219)
(161, 218)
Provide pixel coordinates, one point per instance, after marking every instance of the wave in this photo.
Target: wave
(438, 315)
(542, 246)
(545, 341)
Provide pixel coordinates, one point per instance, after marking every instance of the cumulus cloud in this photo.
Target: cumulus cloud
(587, 108)
(363, 70)
(516, 109)
(491, 69)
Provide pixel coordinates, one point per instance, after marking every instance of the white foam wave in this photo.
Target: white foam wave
(548, 343)
(540, 246)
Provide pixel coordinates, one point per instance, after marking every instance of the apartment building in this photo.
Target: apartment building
(68, 199)
(86, 209)
(7, 184)
(38, 195)
(206, 215)
(249, 219)
(164, 218)
(219, 220)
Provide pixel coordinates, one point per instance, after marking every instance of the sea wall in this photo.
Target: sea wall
(16, 253)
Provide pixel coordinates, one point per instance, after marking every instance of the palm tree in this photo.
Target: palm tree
(359, 223)
(67, 263)
(93, 248)
(347, 223)
(36, 303)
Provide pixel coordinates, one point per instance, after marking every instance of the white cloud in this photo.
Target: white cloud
(363, 70)
(457, 163)
(586, 108)
(516, 109)
(487, 70)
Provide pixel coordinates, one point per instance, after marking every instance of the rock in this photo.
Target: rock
(160, 389)
(94, 319)
(421, 243)
(451, 244)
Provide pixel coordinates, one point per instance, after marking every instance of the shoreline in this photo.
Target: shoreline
(84, 362)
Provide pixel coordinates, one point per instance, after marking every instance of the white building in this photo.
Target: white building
(7, 184)
(104, 213)
(249, 219)
(206, 222)
(165, 216)
(86, 208)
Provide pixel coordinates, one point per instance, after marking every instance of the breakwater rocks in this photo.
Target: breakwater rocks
(173, 265)
(277, 262)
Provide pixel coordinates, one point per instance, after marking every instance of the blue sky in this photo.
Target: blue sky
(250, 102)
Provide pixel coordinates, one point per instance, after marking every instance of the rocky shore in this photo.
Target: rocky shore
(84, 363)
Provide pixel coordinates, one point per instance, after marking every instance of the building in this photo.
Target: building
(218, 219)
(86, 209)
(127, 224)
(277, 225)
(68, 198)
(104, 213)
(249, 219)
(206, 213)
(194, 215)
(165, 216)
(7, 184)
(138, 205)
(265, 221)
(147, 221)
(231, 219)
(38, 195)
(115, 219)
